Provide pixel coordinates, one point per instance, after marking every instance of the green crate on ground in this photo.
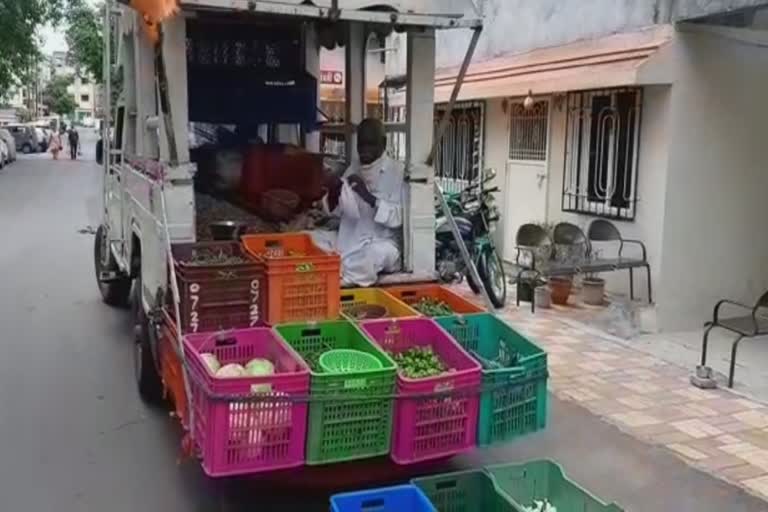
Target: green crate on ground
(543, 480)
(514, 400)
(349, 426)
(467, 491)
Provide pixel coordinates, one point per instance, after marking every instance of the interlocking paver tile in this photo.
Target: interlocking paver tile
(687, 451)
(714, 430)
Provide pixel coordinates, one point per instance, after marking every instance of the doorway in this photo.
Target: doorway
(526, 172)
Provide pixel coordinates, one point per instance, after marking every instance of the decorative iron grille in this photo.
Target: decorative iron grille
(528, 131)
(460, 154)
(601, 153)
(459, 158)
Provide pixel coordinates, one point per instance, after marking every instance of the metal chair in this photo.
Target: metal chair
(534, 242)
(573, 251)
(601, 230)
(748, 325)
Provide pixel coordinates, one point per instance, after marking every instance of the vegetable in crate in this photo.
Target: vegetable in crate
(430, 306)
(230, 371)
(419, 363)
(211, 362)
(209, 257)
(540, 506)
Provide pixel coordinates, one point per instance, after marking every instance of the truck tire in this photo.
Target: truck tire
(148, 381)
(115, 292)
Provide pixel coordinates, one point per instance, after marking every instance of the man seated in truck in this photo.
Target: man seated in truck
(368, 199)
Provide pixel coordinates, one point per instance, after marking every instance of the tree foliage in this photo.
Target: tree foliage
(84, 37)
(56, 96)
(19, 43)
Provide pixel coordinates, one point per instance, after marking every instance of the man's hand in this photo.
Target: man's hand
(358, 185)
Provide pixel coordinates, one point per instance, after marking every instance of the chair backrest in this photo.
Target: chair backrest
(532, 235)
(602, 230)
(571, 244)
(569, 234)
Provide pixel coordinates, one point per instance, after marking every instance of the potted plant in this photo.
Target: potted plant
(593, 290)
(560, 288)
(543, 296)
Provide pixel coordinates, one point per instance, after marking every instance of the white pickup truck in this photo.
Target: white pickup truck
(228, 62)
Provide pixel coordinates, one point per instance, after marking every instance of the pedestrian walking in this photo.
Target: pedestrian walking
(55, 145)
(74, 143)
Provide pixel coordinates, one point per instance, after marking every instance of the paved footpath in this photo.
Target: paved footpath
(716, 431)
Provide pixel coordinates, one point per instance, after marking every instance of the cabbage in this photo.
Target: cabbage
(259, 368)
(230, 371)
(211, 362)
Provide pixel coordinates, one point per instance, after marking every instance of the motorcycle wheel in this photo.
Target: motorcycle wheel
(491, 270)
(475, 287)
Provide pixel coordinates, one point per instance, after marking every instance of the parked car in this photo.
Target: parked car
(25, 137)
(6, 136)
(5, 156)
(42, 139)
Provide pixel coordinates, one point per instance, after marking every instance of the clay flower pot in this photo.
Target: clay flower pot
(593, 291)
(561, 289)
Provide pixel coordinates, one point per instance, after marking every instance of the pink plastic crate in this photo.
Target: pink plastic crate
(430, 427)
(238, 437)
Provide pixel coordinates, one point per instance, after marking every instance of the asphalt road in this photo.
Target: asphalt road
(75, 437)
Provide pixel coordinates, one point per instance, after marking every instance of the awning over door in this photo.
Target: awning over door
(612, 61)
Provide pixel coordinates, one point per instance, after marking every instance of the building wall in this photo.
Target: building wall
(714, 237)
(516, 26)
(652, 176)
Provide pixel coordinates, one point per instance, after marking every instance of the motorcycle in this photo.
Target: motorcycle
(476, 216)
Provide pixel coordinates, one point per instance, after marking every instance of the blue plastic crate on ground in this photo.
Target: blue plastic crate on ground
(403, 498)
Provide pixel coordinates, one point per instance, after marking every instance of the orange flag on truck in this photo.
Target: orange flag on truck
(154, 12)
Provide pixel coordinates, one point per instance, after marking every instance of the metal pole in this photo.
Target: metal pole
(463, 248)
(107, 101)
(454, 94)
(430, 160)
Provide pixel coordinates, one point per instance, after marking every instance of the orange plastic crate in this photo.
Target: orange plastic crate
(170, 368)
(303, 281)
(414, 293)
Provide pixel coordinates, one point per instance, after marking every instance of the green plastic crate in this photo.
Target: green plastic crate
(544, 480)
(342, 430)
(467, 491)
(514, 400)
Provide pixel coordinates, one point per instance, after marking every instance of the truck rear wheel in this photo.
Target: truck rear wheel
(117, 289)
(148, 380)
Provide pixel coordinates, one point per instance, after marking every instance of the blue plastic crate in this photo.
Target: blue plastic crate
(403, 498)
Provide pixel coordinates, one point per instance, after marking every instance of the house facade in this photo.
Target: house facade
(648, 114)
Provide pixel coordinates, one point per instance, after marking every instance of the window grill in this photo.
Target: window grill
(601, 153)
(459, 156)
(528, 132)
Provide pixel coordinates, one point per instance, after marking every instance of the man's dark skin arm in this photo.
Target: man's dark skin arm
(358, 185)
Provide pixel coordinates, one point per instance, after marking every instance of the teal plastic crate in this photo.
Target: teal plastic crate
(466, 491)
(543, 480)
(344, 424)
(514, 398)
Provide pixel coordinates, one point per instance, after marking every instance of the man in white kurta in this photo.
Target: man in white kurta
(368, 199)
